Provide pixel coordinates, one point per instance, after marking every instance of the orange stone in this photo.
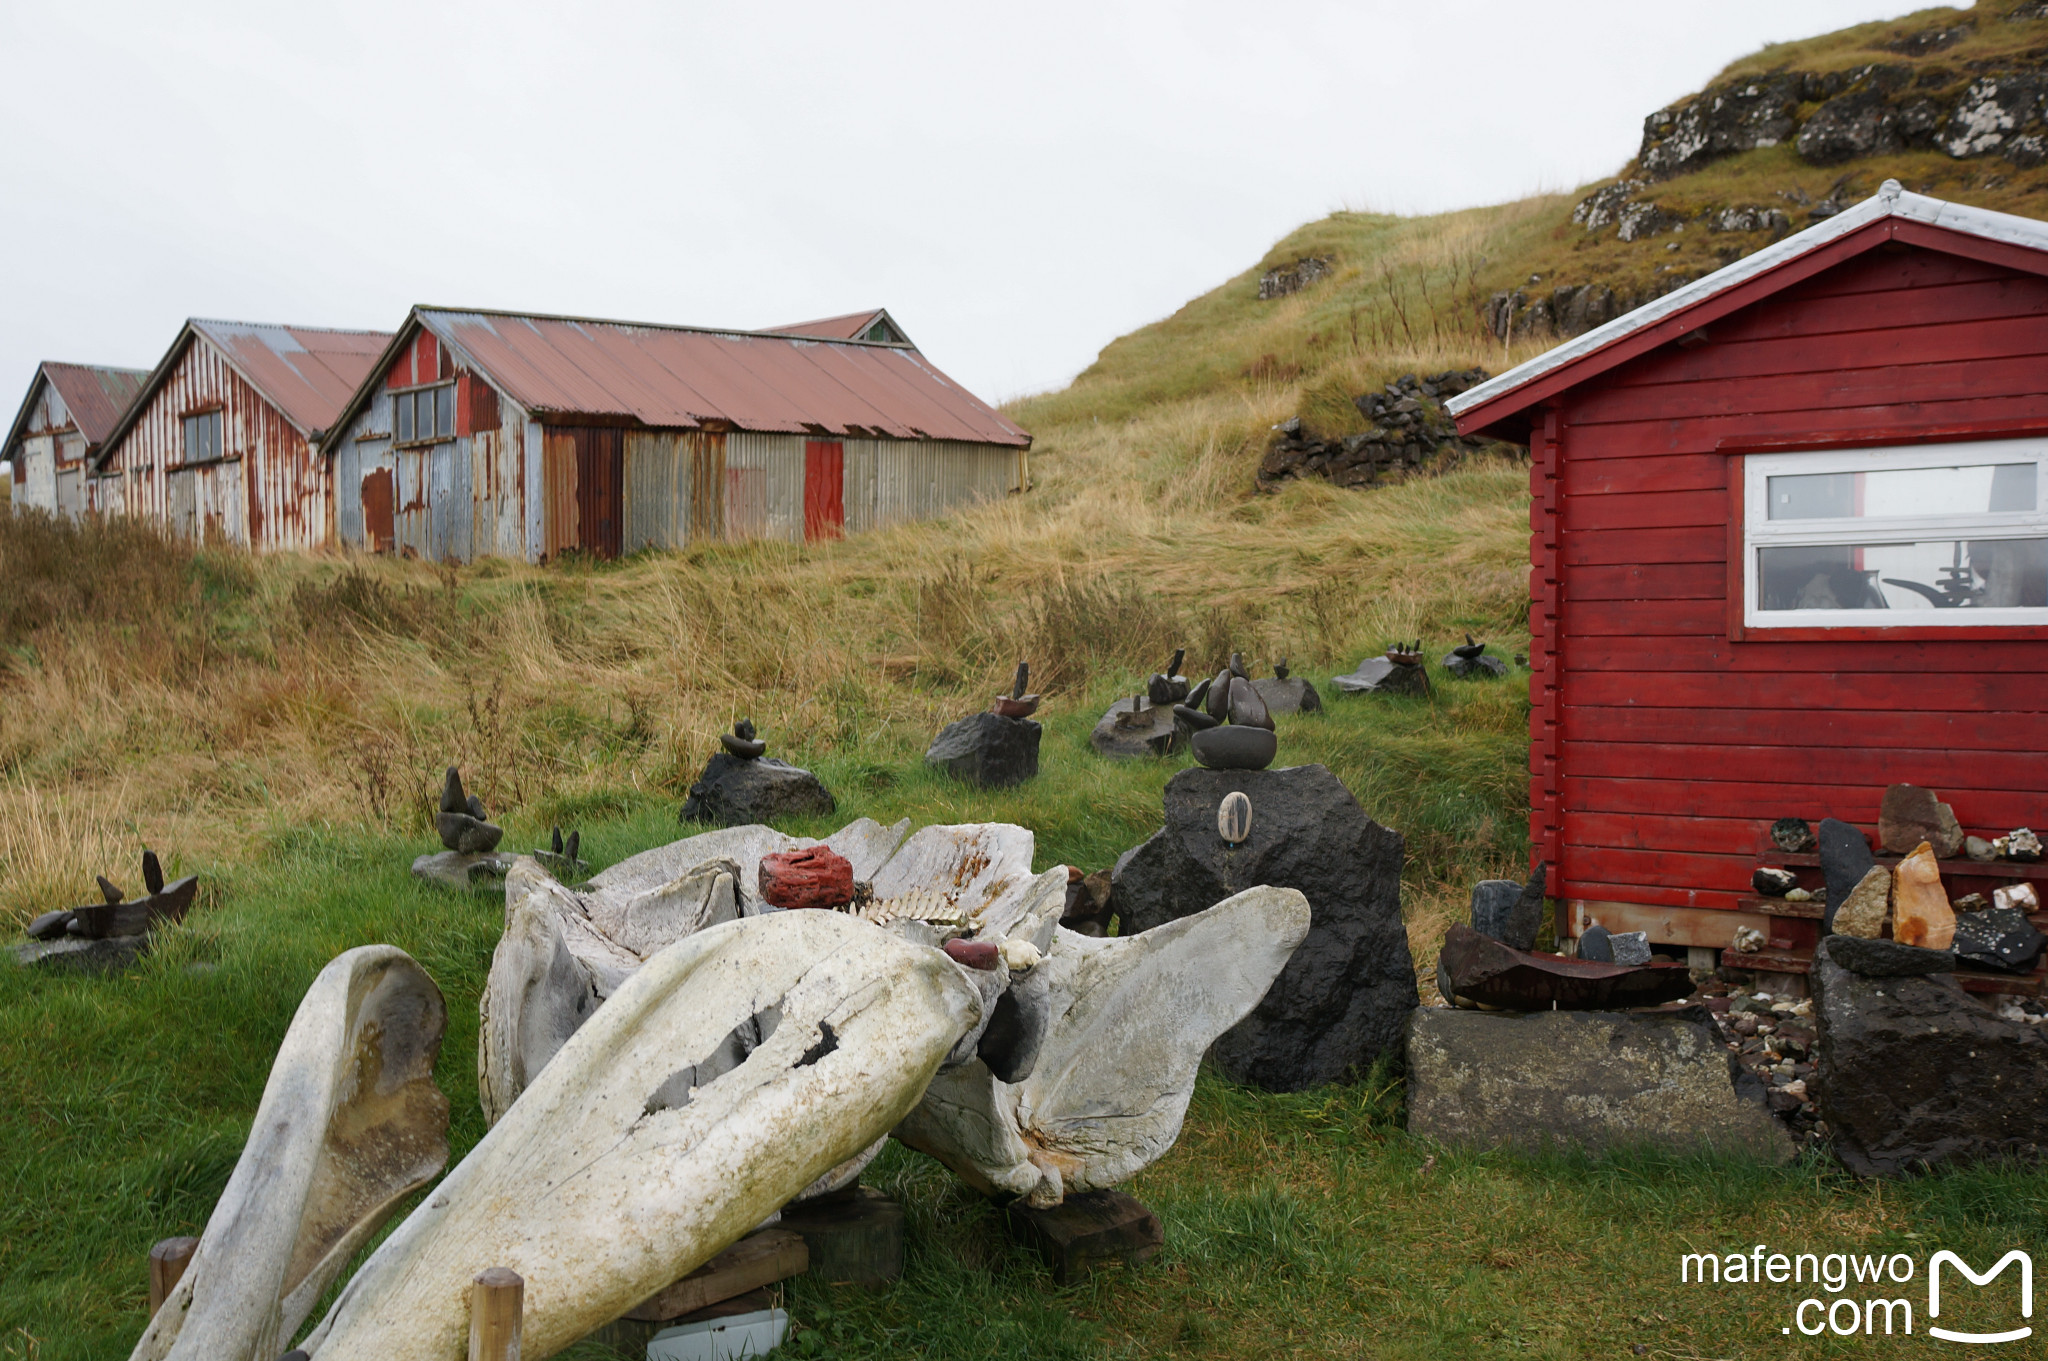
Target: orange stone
(1920, 912)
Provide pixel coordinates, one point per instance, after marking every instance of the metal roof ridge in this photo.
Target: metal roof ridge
(733, 331)
(1891, 200)
(285, 326)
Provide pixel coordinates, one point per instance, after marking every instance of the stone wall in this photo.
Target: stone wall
(1410, 433)
(1281, 280)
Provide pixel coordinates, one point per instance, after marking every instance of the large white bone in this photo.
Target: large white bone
(1126, 1023)
(631, 1158)
(349, 1124)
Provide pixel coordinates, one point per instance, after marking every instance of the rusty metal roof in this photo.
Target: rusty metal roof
(307, 372)
(679, 377)
(852, 326)
(94, 395)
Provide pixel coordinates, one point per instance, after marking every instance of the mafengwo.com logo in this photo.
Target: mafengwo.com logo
(1867, 1295)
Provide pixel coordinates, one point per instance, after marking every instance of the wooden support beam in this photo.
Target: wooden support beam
(855, 1236)
(1707, 927)
(758, 1259)
(1088, 1229)
(497, 1302)
(167, 1263)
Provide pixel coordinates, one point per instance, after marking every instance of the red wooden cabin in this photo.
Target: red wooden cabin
(1790, 546)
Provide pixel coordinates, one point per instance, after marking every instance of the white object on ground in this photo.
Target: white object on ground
(721, 1339)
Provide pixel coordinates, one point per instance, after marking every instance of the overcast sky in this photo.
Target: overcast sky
(1018, 184)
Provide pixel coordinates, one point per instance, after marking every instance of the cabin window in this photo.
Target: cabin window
(1947, 534)
(423, 415)
(202, 437)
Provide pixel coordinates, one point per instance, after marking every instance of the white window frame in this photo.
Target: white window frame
(1760, 531)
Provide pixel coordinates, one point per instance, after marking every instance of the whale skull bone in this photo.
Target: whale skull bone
(636, 1154)
(349, 1124)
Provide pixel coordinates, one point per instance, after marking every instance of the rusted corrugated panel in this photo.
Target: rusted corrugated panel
(308, 372)
(657, 489)
(675, 377)
(848, 327)
(95, 396)
(764, 486)
(916, 479)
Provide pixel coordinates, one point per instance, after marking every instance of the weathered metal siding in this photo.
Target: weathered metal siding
(268, 490)
(889, 482)
(38, 473)
(675, 488)
(51, 454)
(764, 486)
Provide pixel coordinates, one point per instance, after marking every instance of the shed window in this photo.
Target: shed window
(423, 415)
(1952, 534)
(202, 437)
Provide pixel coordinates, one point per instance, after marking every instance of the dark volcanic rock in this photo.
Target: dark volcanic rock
(468, 835)
(1773, 883)
(1720, 121)
(1879, 958)
(1379, 675)
(1288, 694)
(1479, 667)
(1343, 998)
(1235, 747)
(1998, 938)
(110, 954)
(1844, 859)
(1493, 913)
(1913, 1073)
(988, 750)
(1584, 1079)
(1596, 945)
(1631, 948)
(1792, 834)
(734, 792)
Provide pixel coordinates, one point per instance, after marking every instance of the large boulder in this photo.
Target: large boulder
(1584, 1079)
(1914, 1073)
(1844, 859)
(734, 792)
(1343, 998)
(987, 749)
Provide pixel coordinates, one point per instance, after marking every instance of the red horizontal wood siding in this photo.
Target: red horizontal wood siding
(1663, 746)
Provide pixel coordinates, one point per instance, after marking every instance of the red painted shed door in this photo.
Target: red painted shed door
(824, 489)
(379, 521)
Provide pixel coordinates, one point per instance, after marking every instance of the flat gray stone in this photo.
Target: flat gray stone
(110, 954)
(1131, 728)
(464, 873)
(1594, 1080)
(1293, 695)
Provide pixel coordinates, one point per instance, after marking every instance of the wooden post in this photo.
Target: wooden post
(167, 1263)
(495, 1304)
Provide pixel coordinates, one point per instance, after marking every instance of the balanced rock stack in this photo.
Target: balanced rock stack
(742, 784)
(1540, 1051)
(996, 748)
(471, 859)
(1232, 730)
(1144, 725)
(1468, 661)
(114, 932)
(1399, 672)
(561, 858)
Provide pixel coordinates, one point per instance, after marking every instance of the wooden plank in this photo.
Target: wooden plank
(1087, 1230)
(761, 1258)
(1813, 910)
(1891, 271)
(1631, 618)
(1886, 345)
(1765, 801)
(1807, 727)
(1633, 830)
(1647, 895)
(1933, 304)
(1650, 581)
(1603, 463)
(1724, 874)
(1890, 385)
(1944, 656)
(1616, 547)
(1968, 692)
(1948, 771)
(1646, 510)
(855, 1237)
(1691, 927)
(1957, 415)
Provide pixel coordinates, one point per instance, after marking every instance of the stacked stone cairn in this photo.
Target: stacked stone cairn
(470, 858)
(113, 933)
(1540, 1051)
(995, 748)
(1285, 693)
(742, 784)
(1468, 661)
(1398, 672)
(1229, 726)
(1144, 725)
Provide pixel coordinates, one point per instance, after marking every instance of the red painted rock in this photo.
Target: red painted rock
(975, 954)
(815, 876)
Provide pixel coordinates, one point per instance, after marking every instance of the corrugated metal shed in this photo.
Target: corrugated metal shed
(93, 397)
(672, 377)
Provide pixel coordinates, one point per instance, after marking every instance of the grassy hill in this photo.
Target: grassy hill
(279, 726)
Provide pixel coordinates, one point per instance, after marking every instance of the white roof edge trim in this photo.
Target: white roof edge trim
(1890, 201)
